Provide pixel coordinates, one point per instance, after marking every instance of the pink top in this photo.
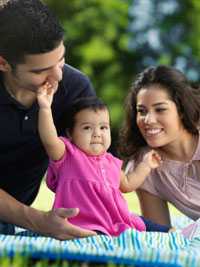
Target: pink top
(177, 182)
(91, 183)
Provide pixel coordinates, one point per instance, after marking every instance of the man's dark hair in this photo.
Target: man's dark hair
(27, 27)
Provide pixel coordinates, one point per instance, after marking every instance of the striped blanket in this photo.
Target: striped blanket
(131, 247)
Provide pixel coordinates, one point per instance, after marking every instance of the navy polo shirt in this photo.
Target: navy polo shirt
(23, 160)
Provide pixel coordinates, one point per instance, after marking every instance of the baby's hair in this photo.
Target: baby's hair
(92, 102)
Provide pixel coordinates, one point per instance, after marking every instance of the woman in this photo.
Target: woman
(163, 112)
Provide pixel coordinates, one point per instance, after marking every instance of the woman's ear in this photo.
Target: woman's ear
(4, 65)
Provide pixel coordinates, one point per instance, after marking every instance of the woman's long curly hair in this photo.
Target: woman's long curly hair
(180, 91)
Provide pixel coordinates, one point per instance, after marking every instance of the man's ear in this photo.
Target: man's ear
(4, 65)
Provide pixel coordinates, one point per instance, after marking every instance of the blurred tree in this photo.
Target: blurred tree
(167, 32)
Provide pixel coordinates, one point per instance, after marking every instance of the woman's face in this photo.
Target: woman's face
(157, 117)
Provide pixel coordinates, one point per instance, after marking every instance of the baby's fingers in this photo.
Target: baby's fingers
(50, 88)
(44, 88)
(157, 156)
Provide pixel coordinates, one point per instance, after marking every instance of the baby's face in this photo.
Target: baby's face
(91, 131)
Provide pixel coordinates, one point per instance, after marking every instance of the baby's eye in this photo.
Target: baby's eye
(86, 128)
(104, 127)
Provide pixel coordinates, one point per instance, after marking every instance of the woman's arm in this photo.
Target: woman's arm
(153, 208)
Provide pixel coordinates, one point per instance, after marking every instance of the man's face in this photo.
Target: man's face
(37, 70)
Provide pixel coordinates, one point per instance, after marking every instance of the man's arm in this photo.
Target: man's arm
(53, 223)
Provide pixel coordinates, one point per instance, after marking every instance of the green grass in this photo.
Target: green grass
(20, 261)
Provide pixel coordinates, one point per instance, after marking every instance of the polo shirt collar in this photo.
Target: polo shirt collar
(7, 99)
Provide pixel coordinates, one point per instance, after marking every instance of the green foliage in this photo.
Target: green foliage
(194, 27)
(167, 32)
(20, 261)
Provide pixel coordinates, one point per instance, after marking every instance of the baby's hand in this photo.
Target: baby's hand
(45, 95)
(152, 159)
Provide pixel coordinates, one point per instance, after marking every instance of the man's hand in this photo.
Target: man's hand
(54, 223)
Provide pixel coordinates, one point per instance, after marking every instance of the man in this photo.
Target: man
(31, 54)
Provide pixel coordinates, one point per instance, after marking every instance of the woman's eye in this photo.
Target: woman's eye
(160, 109)
(141, 111)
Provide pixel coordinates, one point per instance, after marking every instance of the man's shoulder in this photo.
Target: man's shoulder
(72, 74)
(75, 82)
